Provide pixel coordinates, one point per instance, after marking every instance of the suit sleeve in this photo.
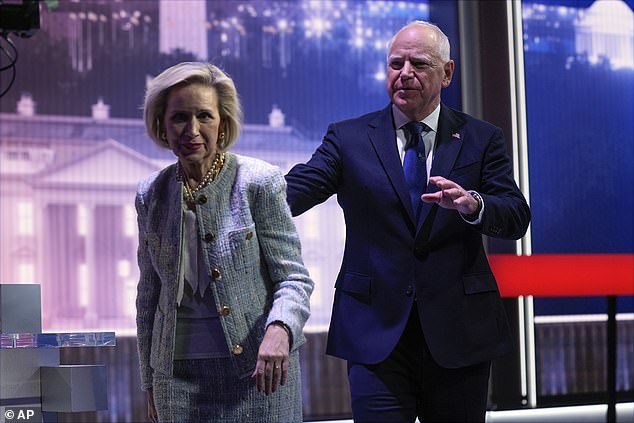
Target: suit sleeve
(148, 290)
(506, 213)
(281, 250)
(314, 182)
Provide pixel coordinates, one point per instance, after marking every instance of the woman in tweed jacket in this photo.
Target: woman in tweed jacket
(223, 294)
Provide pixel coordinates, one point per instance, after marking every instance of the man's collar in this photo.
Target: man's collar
(430, 120)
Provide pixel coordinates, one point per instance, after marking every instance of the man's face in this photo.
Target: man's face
(415, 72)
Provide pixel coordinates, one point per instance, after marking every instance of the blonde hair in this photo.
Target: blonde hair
(186, 73)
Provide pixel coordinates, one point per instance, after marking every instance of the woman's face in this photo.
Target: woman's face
(192, 124)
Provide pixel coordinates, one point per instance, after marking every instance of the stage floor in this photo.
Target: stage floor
(578, 414)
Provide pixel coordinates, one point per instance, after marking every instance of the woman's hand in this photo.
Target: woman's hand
(151, 409)
(272, 365)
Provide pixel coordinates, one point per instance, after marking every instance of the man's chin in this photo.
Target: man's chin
(404, 105)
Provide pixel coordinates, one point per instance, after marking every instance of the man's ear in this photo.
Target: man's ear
(448, 69)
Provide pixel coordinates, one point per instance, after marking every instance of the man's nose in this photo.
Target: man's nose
(407, 71)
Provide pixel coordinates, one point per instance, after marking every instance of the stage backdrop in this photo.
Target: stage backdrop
(579, 74)
(73, 143)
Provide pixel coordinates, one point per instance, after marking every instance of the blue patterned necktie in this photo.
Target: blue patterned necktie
(415, 164)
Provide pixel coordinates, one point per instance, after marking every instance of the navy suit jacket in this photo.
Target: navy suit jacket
(392, 261)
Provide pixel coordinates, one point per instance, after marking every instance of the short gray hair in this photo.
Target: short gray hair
(186, 73)
(444, 49)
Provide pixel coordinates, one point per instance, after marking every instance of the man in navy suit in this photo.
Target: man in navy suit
(417, 312)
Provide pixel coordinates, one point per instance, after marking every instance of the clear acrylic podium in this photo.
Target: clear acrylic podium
(34, 386)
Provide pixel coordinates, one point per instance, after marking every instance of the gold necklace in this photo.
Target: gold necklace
(190, 193)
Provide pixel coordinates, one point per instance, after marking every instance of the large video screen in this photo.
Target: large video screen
(74, 147)
(579, 70)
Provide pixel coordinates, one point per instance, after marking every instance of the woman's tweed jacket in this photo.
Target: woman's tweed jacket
(248, 235)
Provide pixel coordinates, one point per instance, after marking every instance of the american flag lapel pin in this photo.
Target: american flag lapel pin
(456, 135)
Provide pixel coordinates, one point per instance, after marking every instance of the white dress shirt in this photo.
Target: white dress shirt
(429, 138)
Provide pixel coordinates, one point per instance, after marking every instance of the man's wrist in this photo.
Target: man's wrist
(476, 214)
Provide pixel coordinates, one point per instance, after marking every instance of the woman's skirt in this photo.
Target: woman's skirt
(209, 391)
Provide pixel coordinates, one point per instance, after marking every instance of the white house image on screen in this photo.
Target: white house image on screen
(606, 29)
(67, 185)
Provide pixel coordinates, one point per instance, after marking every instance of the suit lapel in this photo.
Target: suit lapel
(383, 138)
(448, 146)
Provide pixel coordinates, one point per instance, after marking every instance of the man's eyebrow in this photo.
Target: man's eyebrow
(421, 57)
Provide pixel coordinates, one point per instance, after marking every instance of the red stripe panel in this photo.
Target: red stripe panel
(568, 275)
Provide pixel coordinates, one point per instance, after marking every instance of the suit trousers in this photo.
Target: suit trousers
(410, 384)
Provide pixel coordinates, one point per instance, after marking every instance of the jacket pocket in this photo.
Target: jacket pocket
(244, 247)
(466, 172)
(479, 282)
(356, 284)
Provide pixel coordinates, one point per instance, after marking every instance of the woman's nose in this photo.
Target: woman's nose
(193, 128)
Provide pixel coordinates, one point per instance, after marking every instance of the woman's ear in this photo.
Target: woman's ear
(222, 135)
(160, 132)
